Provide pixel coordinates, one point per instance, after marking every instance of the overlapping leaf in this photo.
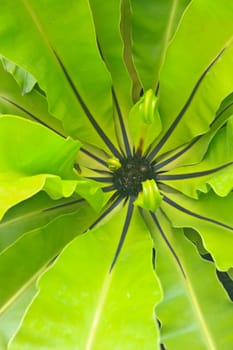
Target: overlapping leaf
(191, 85)
(211, 216)
(88, 302)
(32, 253)
(57, 52)
(91, 307)
(216, 169)
(25, 80)
(46, 165)
(192, 294)
(32, 105)
(153, 24)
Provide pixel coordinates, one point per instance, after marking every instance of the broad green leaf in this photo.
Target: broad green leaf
(27, 170)
(48, 152)
(17, 293)
(11, 319)
(58, 57)
(34, 251)
(31, 214)
(191, 84)
(153, 24)
(111, 46)
(31, 106)
(211, 216)
(84, 311)
(15, 190)
(194, 152)
(195, 312)
(92, 295)
(24, 79)
(216, 169)
(110, 42)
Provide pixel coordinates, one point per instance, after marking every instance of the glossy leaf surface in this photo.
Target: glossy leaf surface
(191, 78)
(131, 102)
(211, 216)
(93, 302)
(189, 308)
(153, 24)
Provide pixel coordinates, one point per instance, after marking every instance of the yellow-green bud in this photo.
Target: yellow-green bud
(149, 198)
(113, 163)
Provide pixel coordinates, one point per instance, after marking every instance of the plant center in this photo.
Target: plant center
(129, 177)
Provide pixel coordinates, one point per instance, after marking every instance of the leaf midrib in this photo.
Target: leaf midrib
(39, 212)
(100, 305)
(194, 302)
(167, 34)
(24, 287)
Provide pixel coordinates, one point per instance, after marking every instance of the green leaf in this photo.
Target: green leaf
(194, 152)
(26, 170)
(191, 84)
(24, 79)
(153, 24)
(31, 214)
(15, 297)
(111, 45)
(11, 319)
(190, 305)
(215, 170)
(58, 58)
(102, 290)
(211, 216)
(90, 315)
(31, 106)
(126, 32)
(14, 191)
(48, 152)
(33, 252)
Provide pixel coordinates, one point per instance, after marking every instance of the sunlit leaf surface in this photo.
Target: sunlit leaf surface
(116, 174)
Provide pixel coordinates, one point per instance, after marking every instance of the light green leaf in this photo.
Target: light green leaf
(192, 309)
(16, 190)
(194, 152)
(103, 284)
(24, 79)
(11, 319)
(34, 251)
(85, 311)
(215, 170)
(211, 216)
(14, 299)
(26, 170)
(191, 84)
(58, 55)
(48, 152)
(31, 106)
(31, 214)
(111, 45)
(153, 24)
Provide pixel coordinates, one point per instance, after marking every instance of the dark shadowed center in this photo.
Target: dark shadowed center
(129, 177)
